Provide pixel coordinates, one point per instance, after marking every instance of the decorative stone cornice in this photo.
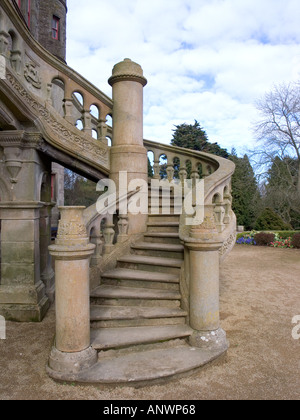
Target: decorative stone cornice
(19, 138)
(127, 70)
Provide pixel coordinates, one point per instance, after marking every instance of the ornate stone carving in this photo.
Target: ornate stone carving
(228, 244)
(72, 228)
(32, 76)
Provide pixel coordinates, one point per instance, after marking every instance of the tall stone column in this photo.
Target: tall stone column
(204, 264)
(128, 153)
(72, 351)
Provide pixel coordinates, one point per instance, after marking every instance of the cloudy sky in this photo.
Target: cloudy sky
(207, 60)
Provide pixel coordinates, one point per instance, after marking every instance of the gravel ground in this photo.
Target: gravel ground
(260, 294)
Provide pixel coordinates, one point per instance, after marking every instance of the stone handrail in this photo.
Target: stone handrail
(94, 216)
(186, 157)
(215, 171)
(45, 88)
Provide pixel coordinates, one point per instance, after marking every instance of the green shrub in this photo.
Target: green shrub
(269, 220)
(296, 240)
(285, 234)
(263, 238)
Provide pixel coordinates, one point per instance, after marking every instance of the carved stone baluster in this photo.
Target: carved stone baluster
(68, 106)
(219, 214)
(49, 93)
(156, 169)
(95, 238)
(102, 131)
(123, 228)
(170, 172)
(182, 175)
(109, 234)
(16, 61)
(195, 175)
(87, 121)
(227, 206)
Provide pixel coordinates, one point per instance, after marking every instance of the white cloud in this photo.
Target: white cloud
(204, 59)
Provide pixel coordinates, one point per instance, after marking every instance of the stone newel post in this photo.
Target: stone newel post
(204, 263)
(128, 154)
(72, 251)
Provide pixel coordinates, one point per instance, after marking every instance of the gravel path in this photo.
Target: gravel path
(260, 294)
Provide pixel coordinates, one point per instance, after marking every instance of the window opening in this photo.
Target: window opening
(55, 27)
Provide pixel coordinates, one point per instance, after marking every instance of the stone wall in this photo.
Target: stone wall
(48, 9)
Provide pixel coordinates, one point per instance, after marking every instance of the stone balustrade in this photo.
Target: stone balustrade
(173, 163)
(106, 229)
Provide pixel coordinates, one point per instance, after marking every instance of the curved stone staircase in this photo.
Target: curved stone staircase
(137, 324)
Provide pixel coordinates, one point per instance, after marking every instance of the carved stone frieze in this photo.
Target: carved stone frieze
(72, 228)
(228, 245)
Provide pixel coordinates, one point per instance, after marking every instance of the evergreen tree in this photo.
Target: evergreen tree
(195, 138)
(246, 200)
(281, 190)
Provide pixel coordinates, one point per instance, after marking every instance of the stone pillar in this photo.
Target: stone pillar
(128, 153)
(204, 248)
(22, 292)
(72, 351)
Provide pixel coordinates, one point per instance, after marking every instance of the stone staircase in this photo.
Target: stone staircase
(138, 302)
(137, 324)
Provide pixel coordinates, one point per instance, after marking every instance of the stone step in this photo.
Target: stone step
(122, 273)
(114, 338)
(163, 217)
(157, 264)
(163, 226)
(122, 316)
(140, 278)
(158, 249)
(162, 237)
(165, 210)
(143, 368)
(133, 296)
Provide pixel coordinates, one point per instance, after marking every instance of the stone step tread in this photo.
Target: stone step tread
(163, 223)
(101, 313)
(150, 365)
(158, 246)
(161, 215)
(123, 292)
(127, 274)
(107, 338)
(162, 234)
(145, 259)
